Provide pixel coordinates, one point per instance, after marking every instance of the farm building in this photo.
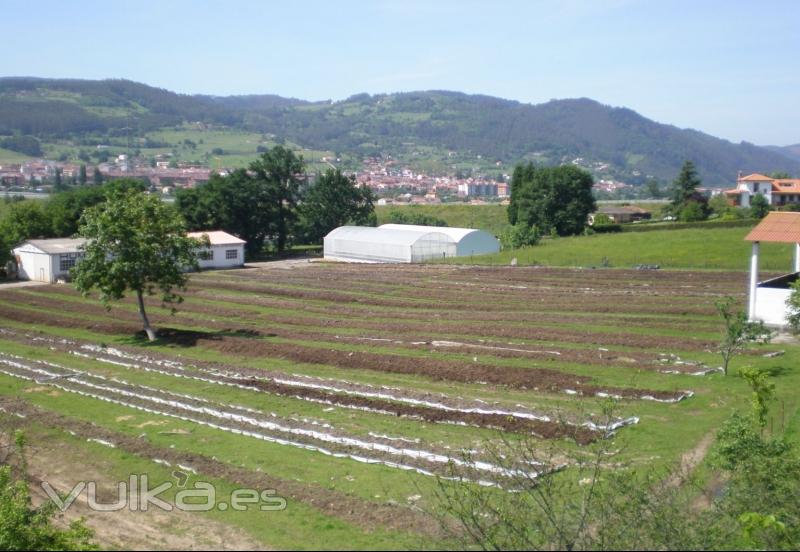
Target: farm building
(50, 260)
(47, 260)
(225, 250)
(366, 244)
(767, 299)
(468, 240)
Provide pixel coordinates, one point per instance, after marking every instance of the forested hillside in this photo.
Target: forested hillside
(405, 125)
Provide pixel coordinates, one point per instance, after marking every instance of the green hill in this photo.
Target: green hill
(435, 130)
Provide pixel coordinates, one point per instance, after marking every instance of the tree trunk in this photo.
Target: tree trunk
(151, 333)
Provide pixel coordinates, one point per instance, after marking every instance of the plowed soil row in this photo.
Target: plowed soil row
(596, 303)
(348, 312)
(538, 379)
(419, 333)
(540, 428)
(367, 515)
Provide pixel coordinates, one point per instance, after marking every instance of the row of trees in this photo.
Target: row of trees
(272, 203)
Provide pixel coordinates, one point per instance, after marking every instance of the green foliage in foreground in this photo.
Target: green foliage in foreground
(697, 248)
(596, 503)
(23, 527)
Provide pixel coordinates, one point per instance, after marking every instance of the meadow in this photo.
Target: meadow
(348, 388)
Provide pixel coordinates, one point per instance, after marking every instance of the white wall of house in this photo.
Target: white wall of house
(222, 256)
(33, 265)
(771, 306)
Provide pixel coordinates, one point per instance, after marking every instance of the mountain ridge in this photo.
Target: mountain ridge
(434, 122)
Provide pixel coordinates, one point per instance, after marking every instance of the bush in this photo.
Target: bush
(607, 228)
(520, 235)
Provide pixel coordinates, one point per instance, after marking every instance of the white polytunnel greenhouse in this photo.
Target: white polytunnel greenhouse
(469, 241)
(383, 245)
(403, 243)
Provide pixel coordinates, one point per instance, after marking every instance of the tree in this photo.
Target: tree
(684, 190)
(519, 235)
(82, 175)
(58, 183)
(793, 305)
(738, 332)
(235, 203)
(555, 199)
(25, 220)
(412, 215)
(759, 206)
(334, 200)
(64, 209)
(97, 177)
(135, 243)
(692, 211)
(277, 175)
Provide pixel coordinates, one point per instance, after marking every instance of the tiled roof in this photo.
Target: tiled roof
(779, 227)
(755, 177)
(217, 237)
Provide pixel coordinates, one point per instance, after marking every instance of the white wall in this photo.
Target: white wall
(34, 266)
(771, 306)
(219, 259)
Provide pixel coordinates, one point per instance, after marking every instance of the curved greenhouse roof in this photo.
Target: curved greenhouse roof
(469, 241)
(387, 245)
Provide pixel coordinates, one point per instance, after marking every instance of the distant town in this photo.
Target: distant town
(390, 181)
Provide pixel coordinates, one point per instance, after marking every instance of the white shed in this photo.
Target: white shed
(767, 299)
(225, 250)
(366, 244)
(469, 241)
(47, 260)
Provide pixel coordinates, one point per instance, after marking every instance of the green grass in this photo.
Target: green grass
(8, 156)
(491, 218)
(703, 248)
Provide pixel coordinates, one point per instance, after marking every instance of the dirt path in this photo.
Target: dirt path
(54, 462)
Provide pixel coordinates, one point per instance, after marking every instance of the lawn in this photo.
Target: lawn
(696, 248)
(339, 386)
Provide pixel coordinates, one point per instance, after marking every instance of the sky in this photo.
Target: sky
(728, 68)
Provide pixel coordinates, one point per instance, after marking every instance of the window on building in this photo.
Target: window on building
(206, 255)
(67, 261)
(231, 253)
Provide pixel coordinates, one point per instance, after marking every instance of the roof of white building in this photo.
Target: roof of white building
(56, 245)
(777, 227)
(217, 237)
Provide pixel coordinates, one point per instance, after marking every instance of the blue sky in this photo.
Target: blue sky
(727, 68)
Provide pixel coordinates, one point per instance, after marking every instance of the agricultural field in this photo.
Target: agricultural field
(347, 388)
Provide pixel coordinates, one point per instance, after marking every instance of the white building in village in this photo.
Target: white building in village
(767, 299)
(51, 260)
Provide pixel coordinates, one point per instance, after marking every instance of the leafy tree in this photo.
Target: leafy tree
(684, 189)
(780, 175)
(692, 211)
(738, 332)
(64, 209)
(82, 175)
(135, 243)
(58, 182)
(793, 305)
(759, 206)
(601, 219)
(97, 177)
(25, 220)
(519, 235)
(410, 215)
(235, 203)
(554, 199)
(23, 527)
(333, 201)
(277, 174)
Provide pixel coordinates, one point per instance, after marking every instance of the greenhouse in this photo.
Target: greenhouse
(468, 240)
(366, 244)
